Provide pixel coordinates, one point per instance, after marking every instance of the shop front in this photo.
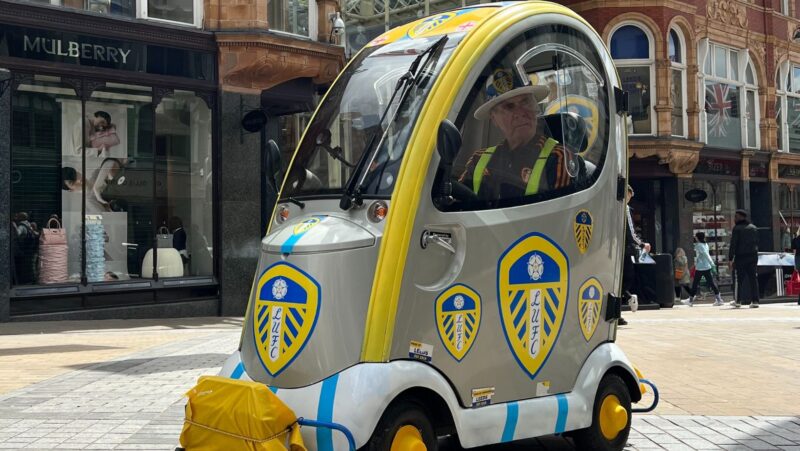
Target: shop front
(110, 157)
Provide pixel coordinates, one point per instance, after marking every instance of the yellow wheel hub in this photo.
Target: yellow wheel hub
(408, 438)
(613, 417)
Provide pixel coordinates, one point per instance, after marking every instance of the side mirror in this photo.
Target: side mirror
(274, 163)
(448, 143)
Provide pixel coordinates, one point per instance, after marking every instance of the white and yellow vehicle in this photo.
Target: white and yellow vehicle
(397, 298)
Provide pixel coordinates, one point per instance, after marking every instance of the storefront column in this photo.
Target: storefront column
(684, 214)
(240, 202)
(744, 187)
(5, 195)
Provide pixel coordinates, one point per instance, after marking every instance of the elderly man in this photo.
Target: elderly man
(527, 161)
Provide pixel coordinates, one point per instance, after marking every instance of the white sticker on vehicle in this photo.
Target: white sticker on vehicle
(420, 351)
(543, 388)
(482, 396)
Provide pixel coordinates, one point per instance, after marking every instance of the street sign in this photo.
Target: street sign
(696, 195)
(254, 121)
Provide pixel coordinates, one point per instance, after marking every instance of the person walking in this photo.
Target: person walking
(681, 264)
(703, 268)
(632, 245)
(743, 258)
(796, 249)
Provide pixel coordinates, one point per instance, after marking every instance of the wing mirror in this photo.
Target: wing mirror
(448, 143)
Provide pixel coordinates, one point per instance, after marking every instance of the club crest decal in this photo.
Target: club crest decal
(583, 230)
(431, 23)
(307, 225)
(458, 317)
(532, 294)
(590, 298)
(286, 310)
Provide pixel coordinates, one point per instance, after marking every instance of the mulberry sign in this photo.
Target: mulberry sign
(30, 43)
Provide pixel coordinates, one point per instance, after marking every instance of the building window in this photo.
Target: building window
(181, 12)
(677, 60)
(129, 181)
(788, 107)
(785, 7)
(631, 48)
(731, 99)
(292, 16)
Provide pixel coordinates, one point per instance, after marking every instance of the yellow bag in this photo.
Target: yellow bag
(228, 414)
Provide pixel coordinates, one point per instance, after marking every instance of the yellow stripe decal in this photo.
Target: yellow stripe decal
(379, 327)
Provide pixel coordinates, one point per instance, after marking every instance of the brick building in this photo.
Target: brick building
(715, 111)
(124, 119)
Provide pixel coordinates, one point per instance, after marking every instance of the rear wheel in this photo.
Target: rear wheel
(405, 426)
(611, 417)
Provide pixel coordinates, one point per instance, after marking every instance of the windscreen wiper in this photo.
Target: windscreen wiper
(352, 193)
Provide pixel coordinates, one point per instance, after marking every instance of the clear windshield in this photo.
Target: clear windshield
(349, 121)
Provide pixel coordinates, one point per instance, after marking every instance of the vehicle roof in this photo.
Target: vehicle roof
(460, 20)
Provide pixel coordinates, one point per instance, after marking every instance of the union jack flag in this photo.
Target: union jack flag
(721, 107)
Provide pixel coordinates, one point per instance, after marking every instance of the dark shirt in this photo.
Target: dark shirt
(506, 175)
(796, 245)
(632, 240)
(744, 242)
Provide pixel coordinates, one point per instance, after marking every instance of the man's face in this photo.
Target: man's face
(738, 217)
(629, 196)
(516, 118)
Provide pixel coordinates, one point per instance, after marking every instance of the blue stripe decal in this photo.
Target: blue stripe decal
(274, 390)
(325, 413)
(238, 371)
(563, 411)
(288, 245)
(512, 412)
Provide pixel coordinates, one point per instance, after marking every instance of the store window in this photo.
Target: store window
(631, 48)
(731, 111)
(182, 12)
(789, 212)
(551, 82)
(677, 59)
(125, 180)
(292, 16)
(788, 107)
(714, 217)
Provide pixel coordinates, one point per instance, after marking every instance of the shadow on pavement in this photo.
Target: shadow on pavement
(54, 349)
(155, 365)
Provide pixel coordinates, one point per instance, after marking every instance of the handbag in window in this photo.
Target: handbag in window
(53, 253)
(164, 237)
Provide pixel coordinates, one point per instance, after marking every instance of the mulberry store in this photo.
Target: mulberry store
(108, 142)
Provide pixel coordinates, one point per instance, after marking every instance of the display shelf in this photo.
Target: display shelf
(717, 228)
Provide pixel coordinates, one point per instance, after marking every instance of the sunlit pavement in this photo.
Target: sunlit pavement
(728, 379)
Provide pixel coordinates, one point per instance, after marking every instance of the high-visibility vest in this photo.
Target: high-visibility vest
(533, 179)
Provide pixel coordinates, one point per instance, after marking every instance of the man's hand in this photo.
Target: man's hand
(646, 247)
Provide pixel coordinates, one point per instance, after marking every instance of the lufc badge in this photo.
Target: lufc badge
(430, 24)
(583, 230)
(584, 107)
(458, 317)
(532, 293)
(590, 297)
(286, 311)
(307, 225)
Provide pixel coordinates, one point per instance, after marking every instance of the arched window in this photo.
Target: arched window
(787, 84)
(730, 94)
(632, 50)
(677, 59)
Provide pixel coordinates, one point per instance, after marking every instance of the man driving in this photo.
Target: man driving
(527, 161)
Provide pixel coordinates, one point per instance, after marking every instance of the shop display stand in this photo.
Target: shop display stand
(717, 229)
(95, 252)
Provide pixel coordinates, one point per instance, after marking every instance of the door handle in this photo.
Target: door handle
(442, 239)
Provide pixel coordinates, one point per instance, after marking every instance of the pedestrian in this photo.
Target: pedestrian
(796, 249)
(632, 245)
(703, 268)
(681, 264)
(743, 258)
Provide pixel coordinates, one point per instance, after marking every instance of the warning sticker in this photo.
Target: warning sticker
(482, 396)
(420, 351)
(543, 388)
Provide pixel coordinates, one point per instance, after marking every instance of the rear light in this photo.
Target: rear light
(282, 214)
(377, 211)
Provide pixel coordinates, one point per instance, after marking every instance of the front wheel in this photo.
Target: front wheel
(405, 426)
(611, 417)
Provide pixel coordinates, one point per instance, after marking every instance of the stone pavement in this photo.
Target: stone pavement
(727, 378)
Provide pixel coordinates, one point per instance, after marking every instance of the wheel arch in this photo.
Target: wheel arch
(433, 403)
(630, 381)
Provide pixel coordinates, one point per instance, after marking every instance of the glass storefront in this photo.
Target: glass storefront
(178, 11)
(125, 173)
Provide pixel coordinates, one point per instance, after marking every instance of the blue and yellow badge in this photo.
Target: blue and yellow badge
(299, 230)
(429, 24)
(458, 317)
(286, 311)
(532, 292)
(584, 107)
(590, 298)
(583, 230)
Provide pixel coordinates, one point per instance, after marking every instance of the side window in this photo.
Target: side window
(534, 125)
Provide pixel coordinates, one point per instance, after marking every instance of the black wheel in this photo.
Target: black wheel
(404, 426)
(611, 418)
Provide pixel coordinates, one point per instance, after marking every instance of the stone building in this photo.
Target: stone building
(714, 94)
